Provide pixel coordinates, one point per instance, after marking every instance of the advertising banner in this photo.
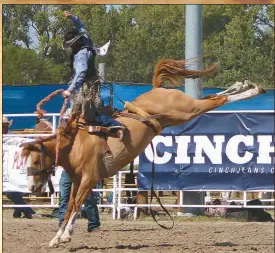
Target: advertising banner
(226, 151)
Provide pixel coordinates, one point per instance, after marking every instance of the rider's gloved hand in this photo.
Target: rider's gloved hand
(66, 94)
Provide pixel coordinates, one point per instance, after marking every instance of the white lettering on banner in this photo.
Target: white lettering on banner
(265, 149)
(233, 146)
(168, 142)
(19, 163)
(5, 157)
(204, 147)
(182, 156)
(16, 141)
(204, 144)
(232, 170)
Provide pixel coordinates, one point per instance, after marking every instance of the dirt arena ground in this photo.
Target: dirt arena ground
(211, 236)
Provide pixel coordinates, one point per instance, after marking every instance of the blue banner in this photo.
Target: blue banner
(23, 99)
(215, 151)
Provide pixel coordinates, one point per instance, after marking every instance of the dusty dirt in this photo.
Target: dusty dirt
(31, 236)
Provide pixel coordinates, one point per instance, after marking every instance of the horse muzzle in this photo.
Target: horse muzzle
(35, 188)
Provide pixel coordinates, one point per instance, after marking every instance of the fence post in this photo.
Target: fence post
(193, 88)
(119, 196)
(114, 195)
(54, 124)
(102, 71)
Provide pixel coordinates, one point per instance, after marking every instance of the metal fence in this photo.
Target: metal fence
(117, 188)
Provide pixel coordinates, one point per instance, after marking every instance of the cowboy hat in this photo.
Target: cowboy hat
(70, 37)
(5, 120)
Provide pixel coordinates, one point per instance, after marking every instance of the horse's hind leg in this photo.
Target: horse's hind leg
(209, 103)
(239, 91)
(210, 96)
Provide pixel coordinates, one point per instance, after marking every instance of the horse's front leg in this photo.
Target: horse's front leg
(68, 227)
(56, 240)
(83, 191)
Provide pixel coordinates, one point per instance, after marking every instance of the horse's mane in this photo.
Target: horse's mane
(175, 70)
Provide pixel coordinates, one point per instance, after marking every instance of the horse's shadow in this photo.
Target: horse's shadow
(130, 230)
(130, 247)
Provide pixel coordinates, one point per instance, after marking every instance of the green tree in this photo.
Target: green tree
(243, 47)
(146, 34)
(38, 28)
(239, 37)
(22, 66)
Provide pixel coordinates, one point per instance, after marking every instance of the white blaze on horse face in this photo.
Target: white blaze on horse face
(34, 185)
(31, 183)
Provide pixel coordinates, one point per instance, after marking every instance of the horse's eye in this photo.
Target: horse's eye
(36, 162)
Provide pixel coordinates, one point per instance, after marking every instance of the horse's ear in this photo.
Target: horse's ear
(27, 148)
(30, 145)
(26, 145)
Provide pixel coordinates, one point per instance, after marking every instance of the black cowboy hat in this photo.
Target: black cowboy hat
(70, 37)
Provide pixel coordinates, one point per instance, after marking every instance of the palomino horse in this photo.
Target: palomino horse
(82, 155)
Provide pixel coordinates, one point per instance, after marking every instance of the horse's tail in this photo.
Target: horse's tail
(174, 70)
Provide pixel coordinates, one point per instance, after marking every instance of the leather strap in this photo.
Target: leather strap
(132, 108)
(96, 130)
(144, 120)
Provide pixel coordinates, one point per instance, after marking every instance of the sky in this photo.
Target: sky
(108, 6)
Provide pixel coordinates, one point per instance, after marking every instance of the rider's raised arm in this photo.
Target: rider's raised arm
(78, 24)
(81, 68)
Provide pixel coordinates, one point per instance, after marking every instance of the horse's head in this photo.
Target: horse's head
(40, 165)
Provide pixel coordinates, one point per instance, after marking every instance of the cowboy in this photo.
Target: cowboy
(84, 88)
(5, 127)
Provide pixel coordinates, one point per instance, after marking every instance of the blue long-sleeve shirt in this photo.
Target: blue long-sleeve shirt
(81, 58)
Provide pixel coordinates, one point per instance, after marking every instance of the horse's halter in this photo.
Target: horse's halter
(31, 171)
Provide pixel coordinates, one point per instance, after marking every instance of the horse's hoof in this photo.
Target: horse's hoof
(65, 239)
(54, 244)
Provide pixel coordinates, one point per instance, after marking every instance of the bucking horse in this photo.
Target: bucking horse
(88, 153)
